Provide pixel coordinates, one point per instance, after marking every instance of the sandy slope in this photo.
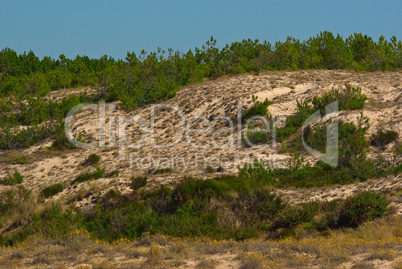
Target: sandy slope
(209, 99)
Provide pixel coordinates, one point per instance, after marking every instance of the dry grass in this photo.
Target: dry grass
(372, 245)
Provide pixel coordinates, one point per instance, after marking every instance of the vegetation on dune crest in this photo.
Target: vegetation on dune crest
(155, 76)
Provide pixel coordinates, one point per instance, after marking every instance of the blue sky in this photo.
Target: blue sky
(97, 27)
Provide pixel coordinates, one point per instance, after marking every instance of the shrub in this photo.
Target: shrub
(349, 98)
(7, 201)
(293, 216)
(138, 182)
(269, 204)
(23, 159)
(256, 136)
(61, 142)
(16, 178)
(98, 173)
(257, 109)
(160, 171)
(114, 173)
(381, 139)
(92, 159)
(362, 207)
(114, 193)
(52, 190)
(352, 144)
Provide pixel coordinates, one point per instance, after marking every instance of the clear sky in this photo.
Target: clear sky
(98, 27)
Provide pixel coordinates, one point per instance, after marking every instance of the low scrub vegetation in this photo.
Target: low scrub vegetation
(12, 200)
(23, 159)
(51, 190)
(214, 208)
(349, 98)
(381, 138)
(86, 176)
(92, 159)
(155, 77)
(361, 208)
(13, 179)
(138, 182)
(159, 171)
(258, 108)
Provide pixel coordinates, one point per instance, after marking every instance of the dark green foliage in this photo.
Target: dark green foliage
(199, 208)
(138, 182)
(52, 190)
(98, 173)
(11, 199)
(23, 159)
(353, 145)
(269, 204)
(258, 108)
(362, 207)
(61, 142)
(160, 171)
(113, 193)
(92, 159)
(293, 123)
(154, 77)
(7, 202)
(293, 216)
(257, 136)
(348, 98)
(353, 163)
(13, 179)
(43, 118)
(381, 139)
(113, 173)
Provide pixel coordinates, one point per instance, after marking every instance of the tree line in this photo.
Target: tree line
(156, 76)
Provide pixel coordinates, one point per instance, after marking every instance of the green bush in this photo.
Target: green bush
(256, 136)
(92, 159)
(138, 182)
(114, 193)
(293, 216)
(113, 173)
(258, 108)
(349, 98)
(381, 139)
(7, 202)
(160, 171)
(362, 207)
(61, 142)
(99, 172)
(23, 159)
(269, 204)
(14, 179)
(52, 190)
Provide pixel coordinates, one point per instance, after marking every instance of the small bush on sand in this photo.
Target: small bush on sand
(92, 159)
(98, 173)
(381, 139)
(257, 109)
(13, 179)
(52, 190)
(362, 207)
(138, 182)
